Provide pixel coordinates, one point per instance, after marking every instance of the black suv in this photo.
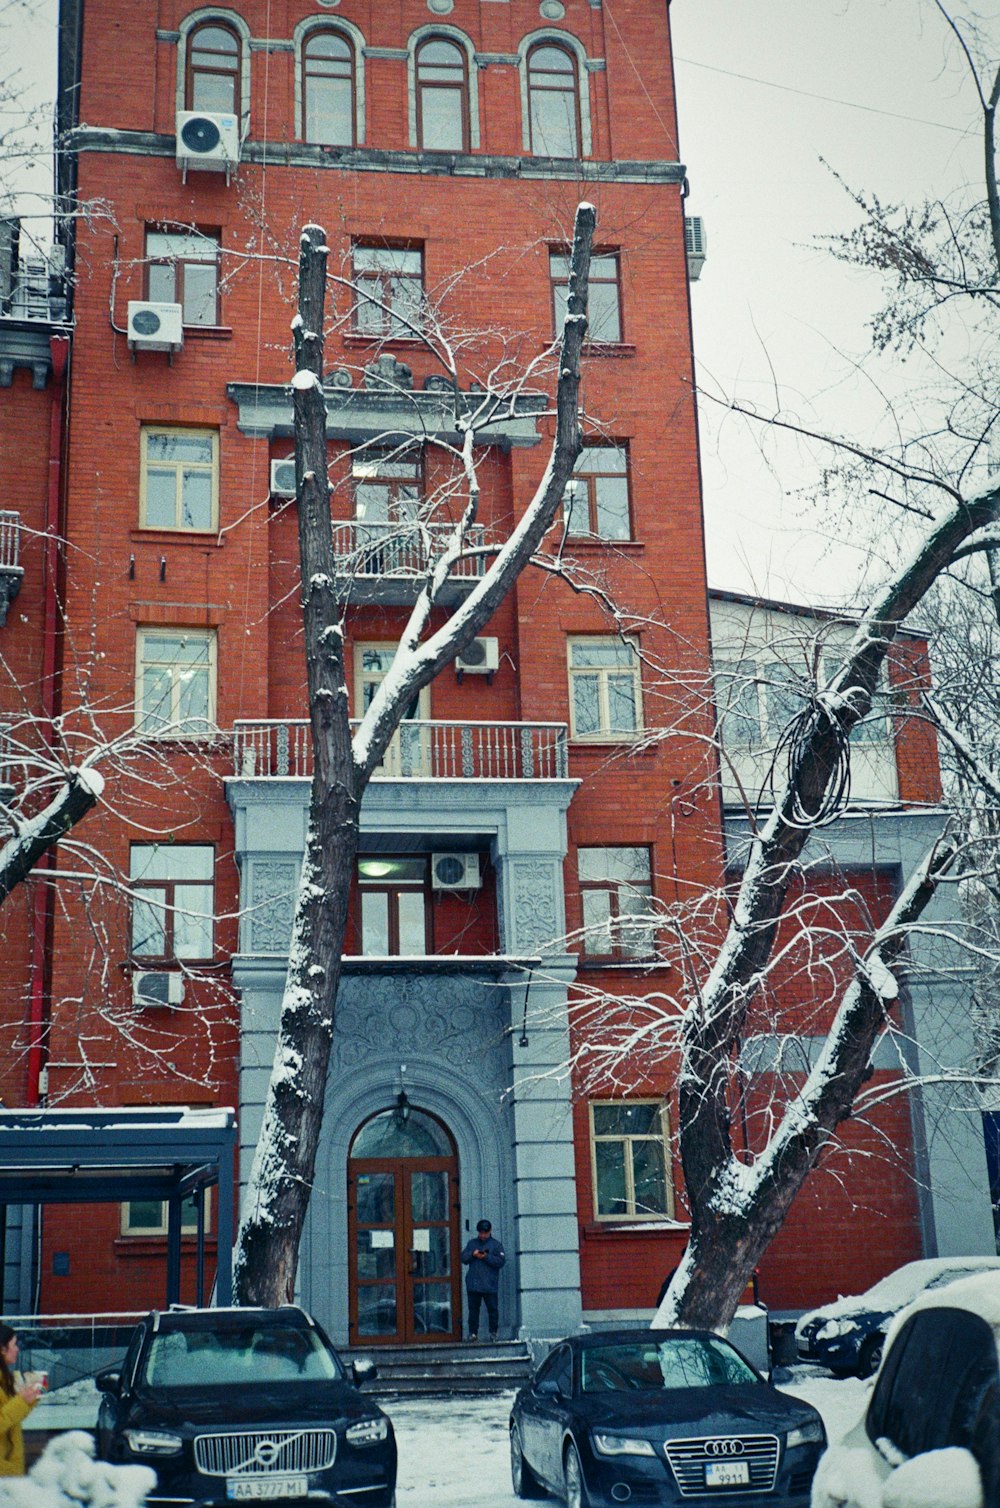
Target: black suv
(239, 1405)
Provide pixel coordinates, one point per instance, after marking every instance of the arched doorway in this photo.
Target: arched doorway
(403, 1230)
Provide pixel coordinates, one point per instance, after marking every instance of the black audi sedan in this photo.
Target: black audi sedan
(243, 1405)
(660, 1417)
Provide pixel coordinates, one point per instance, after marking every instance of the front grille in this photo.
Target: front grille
(689, 1458)
(267, 1452)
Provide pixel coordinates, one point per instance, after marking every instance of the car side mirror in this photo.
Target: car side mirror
(108, 1380)
(363, 1371)
(548, 1388)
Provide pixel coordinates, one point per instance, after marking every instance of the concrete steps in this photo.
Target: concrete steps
(443, 1371)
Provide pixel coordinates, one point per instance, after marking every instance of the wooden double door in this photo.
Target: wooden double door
(403, 1232)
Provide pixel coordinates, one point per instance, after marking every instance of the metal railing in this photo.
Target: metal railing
(71, 1347)
(10, 540)
(401, 549)
(422, 749)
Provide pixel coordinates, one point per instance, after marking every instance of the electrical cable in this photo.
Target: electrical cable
(795, 748)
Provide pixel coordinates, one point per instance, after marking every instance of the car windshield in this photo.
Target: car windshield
(237, 1357)
(687, 1362)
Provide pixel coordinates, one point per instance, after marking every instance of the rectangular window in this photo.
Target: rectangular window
(629, 1142)
(605, 691)
(604, 297)
(619, 917)
(389, 281)
(175, 682)
(148, 1217)
(392, 907)
(173, 901)
(757, 700)
(179, 479)
(596, 498)
(182, 267)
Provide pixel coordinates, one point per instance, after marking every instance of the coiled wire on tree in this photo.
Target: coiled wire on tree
(792, 750)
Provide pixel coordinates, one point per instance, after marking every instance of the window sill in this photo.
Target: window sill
(155, 1245)
(612, 741)
(208, 332)
(602, 348)
(594, 964)
(633, 1225)
(177, 536)
(356, 341)
(598, 541)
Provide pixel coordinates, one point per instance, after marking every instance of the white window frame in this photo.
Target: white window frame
(450, 34)
(212, 468)
(663, 1139)
(604, 734)
(229, 18)
(619, 922)
(571, 44)
(174, 728)
(187, 1228)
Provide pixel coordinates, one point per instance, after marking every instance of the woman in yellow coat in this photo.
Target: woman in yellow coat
(16, 1403)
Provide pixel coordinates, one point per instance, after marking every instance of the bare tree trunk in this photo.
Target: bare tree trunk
(286, 1154)
(281, 1178)
(39, 834)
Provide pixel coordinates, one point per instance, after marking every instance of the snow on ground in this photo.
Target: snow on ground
(454, 1451)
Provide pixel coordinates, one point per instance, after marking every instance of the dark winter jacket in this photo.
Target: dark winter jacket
(483, 1275)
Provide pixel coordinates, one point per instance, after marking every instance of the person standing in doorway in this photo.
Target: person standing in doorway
(483, 1257)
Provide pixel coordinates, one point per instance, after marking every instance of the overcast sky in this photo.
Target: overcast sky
(766, 89)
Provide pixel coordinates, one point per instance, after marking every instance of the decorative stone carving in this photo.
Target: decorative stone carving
(272, 906)
(440, 7)
(450, 1017)
(386, 374)
(340, 377)
(552, 10)
(437, 384)
(536, 912)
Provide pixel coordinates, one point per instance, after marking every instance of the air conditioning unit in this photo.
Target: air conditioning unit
(695, 244)
(481, 657)
(455, 871)
(157, 989)
(283, 478)
(207, 143)
(154, 327)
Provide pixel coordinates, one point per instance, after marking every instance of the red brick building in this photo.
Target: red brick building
(524, 830)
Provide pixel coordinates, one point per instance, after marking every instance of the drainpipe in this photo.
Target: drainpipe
(42, 905)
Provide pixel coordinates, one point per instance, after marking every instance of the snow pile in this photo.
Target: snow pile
(847, 1476)
(67, 1476)
(936, 1477)
(900, 1287)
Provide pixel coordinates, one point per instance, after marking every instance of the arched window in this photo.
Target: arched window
(328, 88)
(442, 96)
(213, 69)
(553, 102)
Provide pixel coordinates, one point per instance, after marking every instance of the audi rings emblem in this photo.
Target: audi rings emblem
(727, 1447)
(266, 1453)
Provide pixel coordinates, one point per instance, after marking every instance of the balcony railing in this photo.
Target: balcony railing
(421, 750)
(10, 541)
(400, 549)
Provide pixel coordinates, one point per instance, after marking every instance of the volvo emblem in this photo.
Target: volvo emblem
(266, 1453)
(729, 1446)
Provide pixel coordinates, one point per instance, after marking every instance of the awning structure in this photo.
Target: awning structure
(72, 1156)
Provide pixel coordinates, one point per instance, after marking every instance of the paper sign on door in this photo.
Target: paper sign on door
(421, 1240)
(382, 1238)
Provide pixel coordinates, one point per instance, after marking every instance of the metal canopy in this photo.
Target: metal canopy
(111, 1156)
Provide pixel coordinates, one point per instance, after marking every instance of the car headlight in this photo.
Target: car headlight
(367, 1432)
(810, 1433)
(153, 1442)
(622, 1445)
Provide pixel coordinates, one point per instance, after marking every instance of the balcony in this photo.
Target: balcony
(388, 562)
(421, 750)
(11, 570)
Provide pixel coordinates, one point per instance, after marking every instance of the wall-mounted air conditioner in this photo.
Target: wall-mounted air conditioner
(207, 142)
(157, 988)
(455, 871)
(481, 657)
(283, 478)
(695, 244)
(154, 327)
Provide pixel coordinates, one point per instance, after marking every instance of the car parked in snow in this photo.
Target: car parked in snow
(243, 1405)
(931, 1432)
(848, 1336)
(660, 1417)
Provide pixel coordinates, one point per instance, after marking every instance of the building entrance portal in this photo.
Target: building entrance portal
(403, 1230)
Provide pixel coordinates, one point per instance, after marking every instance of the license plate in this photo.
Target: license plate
(266, 1488)
(727, 1474)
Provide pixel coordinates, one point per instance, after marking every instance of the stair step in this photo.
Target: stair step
(429, 1371)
